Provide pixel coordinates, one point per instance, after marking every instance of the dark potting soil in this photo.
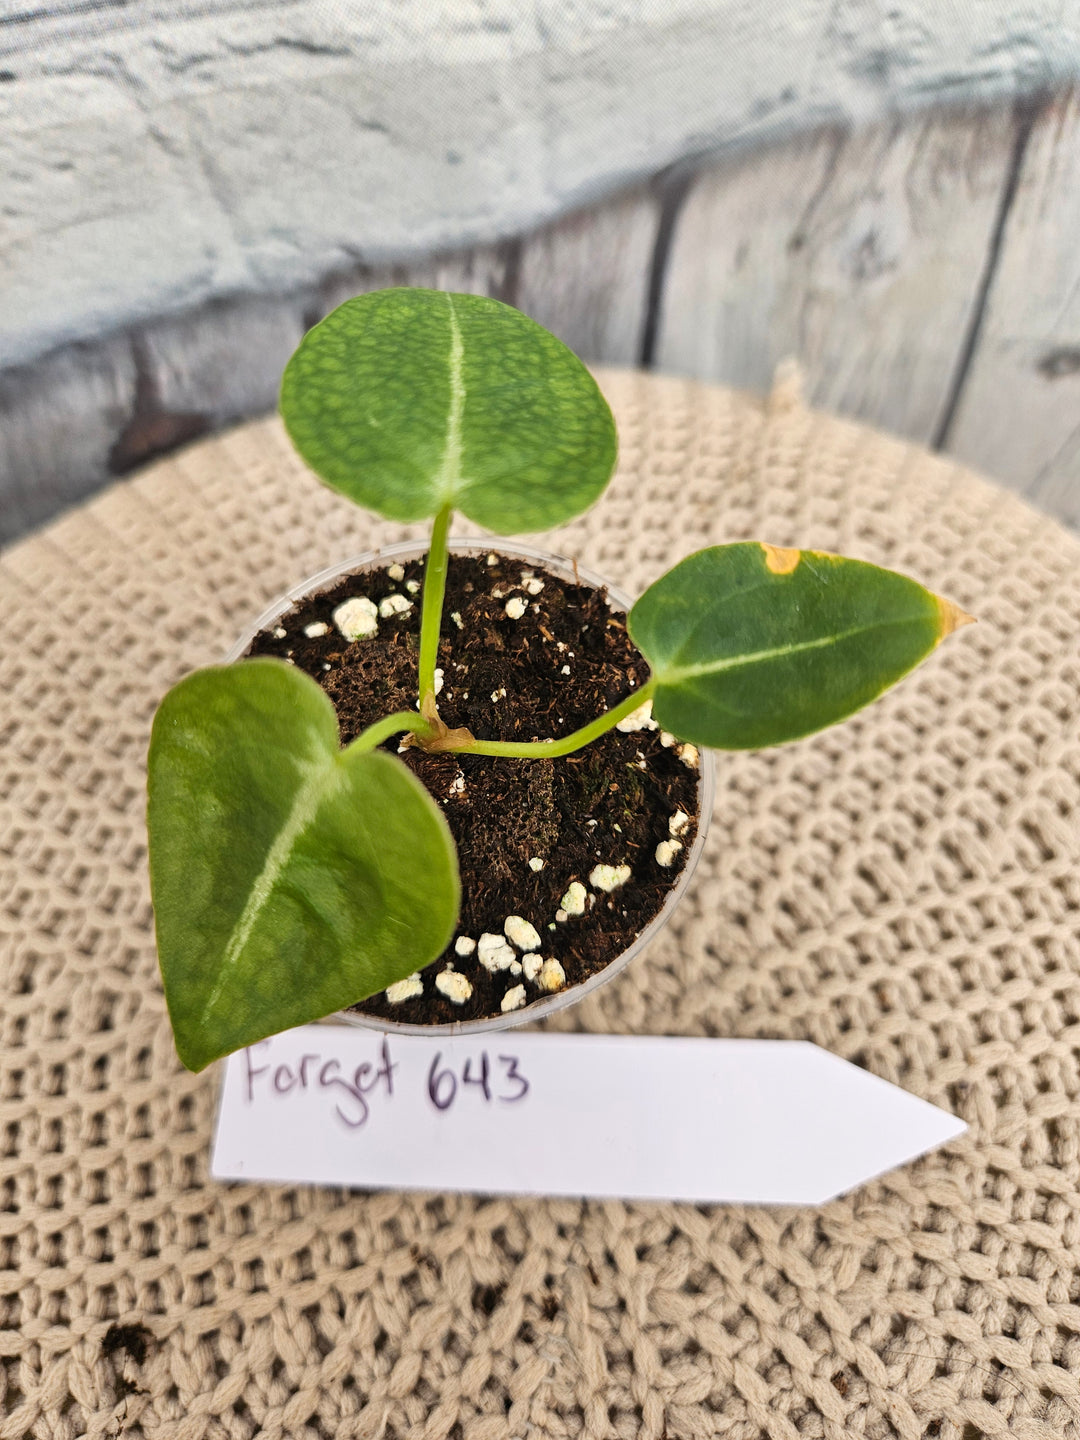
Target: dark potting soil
(567, 659)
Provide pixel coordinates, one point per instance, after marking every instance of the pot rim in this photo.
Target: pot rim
(618, 600)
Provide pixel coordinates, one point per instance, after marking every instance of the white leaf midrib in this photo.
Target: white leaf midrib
(677, 673)
(447, 479)
(320, 782)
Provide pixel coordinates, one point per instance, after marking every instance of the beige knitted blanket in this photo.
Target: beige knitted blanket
(903, 890)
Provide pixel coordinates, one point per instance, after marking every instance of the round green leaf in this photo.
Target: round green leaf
(290, 878)
(750, 645)
(408, 401)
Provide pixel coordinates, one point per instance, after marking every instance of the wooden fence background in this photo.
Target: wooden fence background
(925, 272)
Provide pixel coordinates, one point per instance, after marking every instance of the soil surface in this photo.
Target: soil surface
(558, 665)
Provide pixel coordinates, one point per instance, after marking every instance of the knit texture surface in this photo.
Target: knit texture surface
(903, 890)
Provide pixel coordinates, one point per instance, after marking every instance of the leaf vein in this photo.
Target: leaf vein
(448, 478)
(777, 652)
(302, 812)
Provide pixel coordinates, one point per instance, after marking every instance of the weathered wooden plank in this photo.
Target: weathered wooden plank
(195, 373)
(860, 254)
(587, 277)
(59, 421)
(485, 270)
(1018, 415)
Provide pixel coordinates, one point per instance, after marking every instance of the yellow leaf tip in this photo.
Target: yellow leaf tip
(779, 561)
(950, 617)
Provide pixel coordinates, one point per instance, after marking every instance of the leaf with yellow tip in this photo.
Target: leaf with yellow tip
(950, 617)
(753, 645)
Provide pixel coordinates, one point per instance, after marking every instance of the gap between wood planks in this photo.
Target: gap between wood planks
(672, 187)
(1026, 113)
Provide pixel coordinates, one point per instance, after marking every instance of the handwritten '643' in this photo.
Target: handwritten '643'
(491, 1080)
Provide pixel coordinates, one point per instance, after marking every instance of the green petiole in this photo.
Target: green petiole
(394, 724)
(431, 610)
(552, 749)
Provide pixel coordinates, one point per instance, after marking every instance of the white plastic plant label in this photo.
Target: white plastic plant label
(514, 1112)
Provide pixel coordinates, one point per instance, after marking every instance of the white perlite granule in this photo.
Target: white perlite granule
(464, 945)
(357, 619)
(515, 608)
(552, 976)
(532, 584)
(608, 877)
(455, 616)
(678, 822)
(413, 587)
(531, 966)
(520, 933)
(394, 605)
(494, 953)
(396, 572)
(536, 863)
(688, 755)
(666, 852)
(439, 677)
(513, 999)
(316, 628)
(406, 989)
(454, 986)
(280, 633)
(573, 902)
(639, 719)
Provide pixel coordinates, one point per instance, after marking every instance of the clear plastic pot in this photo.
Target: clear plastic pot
(619, 603)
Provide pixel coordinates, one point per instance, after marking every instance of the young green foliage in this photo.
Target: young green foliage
(290, 877)
(413, 401)
(750, 645)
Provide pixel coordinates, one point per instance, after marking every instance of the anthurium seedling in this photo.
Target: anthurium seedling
(291, 876)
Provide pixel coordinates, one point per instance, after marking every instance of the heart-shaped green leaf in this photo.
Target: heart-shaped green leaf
(290, 878)
(750, 645)
(408, 401)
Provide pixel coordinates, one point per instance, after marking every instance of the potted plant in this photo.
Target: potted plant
(294, 876)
